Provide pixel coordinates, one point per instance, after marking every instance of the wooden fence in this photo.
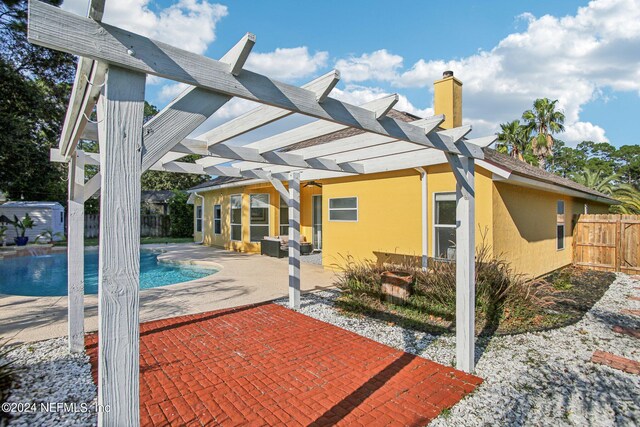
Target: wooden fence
(150, 225)
(607, 242)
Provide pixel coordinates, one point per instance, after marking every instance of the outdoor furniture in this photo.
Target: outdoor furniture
(274, 246)
(278, 246)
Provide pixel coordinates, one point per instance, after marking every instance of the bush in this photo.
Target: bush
(498, 287)
(181, 215)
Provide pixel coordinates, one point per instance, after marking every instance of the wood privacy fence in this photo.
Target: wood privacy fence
(607, 242)
(150, 225)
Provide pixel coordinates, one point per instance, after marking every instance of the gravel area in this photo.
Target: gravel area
(312, 258)
(543, 378)
(48, 376)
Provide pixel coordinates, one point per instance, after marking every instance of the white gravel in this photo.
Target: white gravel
(48, 376)
(534, 379)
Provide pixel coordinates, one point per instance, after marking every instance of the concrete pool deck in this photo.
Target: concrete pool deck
(242, 279)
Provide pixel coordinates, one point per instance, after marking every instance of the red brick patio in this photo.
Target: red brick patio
(268, 365)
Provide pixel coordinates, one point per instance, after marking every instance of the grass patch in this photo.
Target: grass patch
(506, 302)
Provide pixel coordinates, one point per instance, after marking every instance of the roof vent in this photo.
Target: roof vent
(447, 73)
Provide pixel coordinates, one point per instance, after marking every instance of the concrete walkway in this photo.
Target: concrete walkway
(242, 279)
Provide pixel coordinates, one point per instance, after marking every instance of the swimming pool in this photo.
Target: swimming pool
(46, 275)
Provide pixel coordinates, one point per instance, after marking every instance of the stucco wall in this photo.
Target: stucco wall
(223, 197)
(524, 227)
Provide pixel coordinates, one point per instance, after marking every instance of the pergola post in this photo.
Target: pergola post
(120, 118)
(424, 203)
(294, 240)
(75, 254)
(463, 169)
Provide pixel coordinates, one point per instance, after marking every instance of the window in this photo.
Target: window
(198, 219)
(284, 217)
(217, 219)
(444, 226)
(62, 216)
(343, 209)
(560, 225)
(236, 217)
(259, 217)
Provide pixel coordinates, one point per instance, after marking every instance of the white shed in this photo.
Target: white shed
(45, 215)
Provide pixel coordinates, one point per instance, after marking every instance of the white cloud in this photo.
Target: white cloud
(378, 65)
(287, 63)
(189, 24)
(356, 95)
(584, 131)
(572, 59)
(171, 90)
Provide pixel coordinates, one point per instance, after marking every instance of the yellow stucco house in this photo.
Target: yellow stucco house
(526, 215)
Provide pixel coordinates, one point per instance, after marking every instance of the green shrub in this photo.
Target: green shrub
(181, 215)
(498, 287)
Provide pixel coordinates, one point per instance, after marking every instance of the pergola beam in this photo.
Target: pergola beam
(265, 114)
(99, 41)
(238, 54)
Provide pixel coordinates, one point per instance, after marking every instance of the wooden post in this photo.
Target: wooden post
(75, 254)
(120, 117)
(465, 266)
(424, 203)
(294, 240)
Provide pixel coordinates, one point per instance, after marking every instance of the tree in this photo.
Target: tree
(181, 215)
(545, 120)
(515, 137)
(34, 88)
(609, 184)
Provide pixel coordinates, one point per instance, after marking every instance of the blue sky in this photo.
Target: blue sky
(507, 53)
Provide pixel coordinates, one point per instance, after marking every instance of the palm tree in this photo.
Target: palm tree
(545, 120)
(609, 184)
(515, 137)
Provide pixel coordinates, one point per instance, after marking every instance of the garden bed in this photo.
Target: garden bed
(506, 302)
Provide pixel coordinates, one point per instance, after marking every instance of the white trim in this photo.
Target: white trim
(563, 224)
(199, 219)
(433, 220)
(280, 223)
(329, 209)
(231, 224)
(268, 224)
(219, 205)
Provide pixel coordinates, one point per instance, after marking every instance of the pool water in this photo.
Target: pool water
(46, 275)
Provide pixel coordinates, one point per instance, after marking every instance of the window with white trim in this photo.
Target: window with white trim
(284, 217)
(343, 209)
(236, 217)
(198, 219)
(217, 219)
(444, 226)
(259, 217)
(560, 225)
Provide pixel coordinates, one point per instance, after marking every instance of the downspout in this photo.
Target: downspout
(202, 219)
(423, 204)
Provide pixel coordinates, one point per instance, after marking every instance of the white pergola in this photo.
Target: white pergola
(111, 76)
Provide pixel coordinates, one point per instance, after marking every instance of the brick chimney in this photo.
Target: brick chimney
(447, 100)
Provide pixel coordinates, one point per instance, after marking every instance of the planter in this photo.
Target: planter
(396, 286)
(21, 240)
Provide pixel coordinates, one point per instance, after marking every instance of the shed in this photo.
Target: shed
(45, 215)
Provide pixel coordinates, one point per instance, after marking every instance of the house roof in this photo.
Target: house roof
(524, 169)
(156, 196)
(500, 160)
